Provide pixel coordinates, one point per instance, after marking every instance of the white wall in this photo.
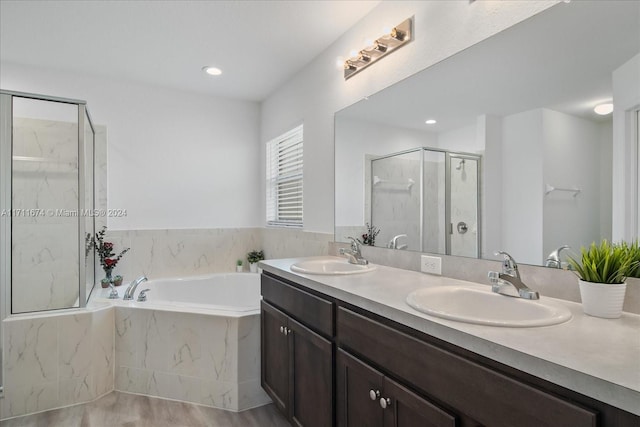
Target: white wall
(318, 91)
(176, 159)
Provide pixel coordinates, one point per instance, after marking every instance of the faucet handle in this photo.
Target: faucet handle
(113, 294)
(355, 245)
(142, 296)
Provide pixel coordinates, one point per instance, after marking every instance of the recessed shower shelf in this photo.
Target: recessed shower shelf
(550, 189)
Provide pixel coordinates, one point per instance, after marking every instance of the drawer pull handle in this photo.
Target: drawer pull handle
(384, 402)
(374, 394)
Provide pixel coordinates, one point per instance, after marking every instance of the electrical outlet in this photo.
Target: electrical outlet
(431, 264)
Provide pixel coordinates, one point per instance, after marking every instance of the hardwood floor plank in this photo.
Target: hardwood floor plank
(129, 410)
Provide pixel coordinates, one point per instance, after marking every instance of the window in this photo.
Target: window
(284, 179)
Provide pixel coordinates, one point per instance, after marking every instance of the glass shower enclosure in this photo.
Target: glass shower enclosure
(47, 260)
(427, 200)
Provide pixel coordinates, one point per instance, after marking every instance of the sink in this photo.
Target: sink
(332, 266)
(479, 305)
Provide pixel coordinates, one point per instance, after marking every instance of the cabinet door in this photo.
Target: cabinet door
(311, 381)
(358, 393)
(275, 356)
(406, 409)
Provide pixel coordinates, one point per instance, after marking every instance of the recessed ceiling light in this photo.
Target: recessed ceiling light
(213, 71)
(431, 122)
(603, 109)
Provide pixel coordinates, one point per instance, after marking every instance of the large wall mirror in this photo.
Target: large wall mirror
(517, 159)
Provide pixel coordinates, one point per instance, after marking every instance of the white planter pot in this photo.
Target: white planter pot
(253, 267)
(239, 268)
(601, 299)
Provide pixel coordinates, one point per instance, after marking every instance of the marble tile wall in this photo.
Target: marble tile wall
(205, 359)
(189, 252)
(56, 360)
(44, 180)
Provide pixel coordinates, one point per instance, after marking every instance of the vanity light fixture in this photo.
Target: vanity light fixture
(603, 109)
(393, 39)
(212, 71)
(431, 121)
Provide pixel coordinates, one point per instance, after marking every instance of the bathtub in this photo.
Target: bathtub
(235, 294)
(195, 339)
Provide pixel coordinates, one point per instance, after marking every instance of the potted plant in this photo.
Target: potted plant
(253, 257)
(633, 251)
(108, 259)
(603, 271)
(239, 266)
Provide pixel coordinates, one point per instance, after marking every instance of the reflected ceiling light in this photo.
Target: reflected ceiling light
(431, 121)
(375, 49)
(212, 71)
(603, 109)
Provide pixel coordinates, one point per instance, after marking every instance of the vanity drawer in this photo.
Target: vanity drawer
(313, 311)
(487, 396)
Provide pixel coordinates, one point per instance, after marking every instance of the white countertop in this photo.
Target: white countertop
(599, 358)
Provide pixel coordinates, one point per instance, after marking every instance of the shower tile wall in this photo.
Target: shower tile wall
(395, 208)
(44, 256)
(464, 199)
(55, 361)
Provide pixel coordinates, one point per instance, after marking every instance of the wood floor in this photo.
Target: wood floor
(130, 410)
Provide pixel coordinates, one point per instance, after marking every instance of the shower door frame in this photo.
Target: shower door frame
(447, 207)
(6, 194)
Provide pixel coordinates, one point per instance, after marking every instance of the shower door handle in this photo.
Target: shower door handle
(462, 227)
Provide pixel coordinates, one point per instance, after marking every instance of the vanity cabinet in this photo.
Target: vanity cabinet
(297, 353)
(366, 397)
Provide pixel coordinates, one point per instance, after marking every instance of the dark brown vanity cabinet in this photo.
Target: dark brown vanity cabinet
(367, 398)
(297, 360)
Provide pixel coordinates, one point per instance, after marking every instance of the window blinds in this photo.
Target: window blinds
(284, 179)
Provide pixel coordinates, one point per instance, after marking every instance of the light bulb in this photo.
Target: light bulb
(431, 121)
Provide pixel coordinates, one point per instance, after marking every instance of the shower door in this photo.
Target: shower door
(463, 202)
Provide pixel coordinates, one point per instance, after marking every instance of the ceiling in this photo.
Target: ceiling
(259, 45)
(561, 58)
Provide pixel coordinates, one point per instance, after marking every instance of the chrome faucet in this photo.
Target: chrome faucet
(131, 289)
(504, 282)
(354, 254)
(553, 260)
(393, 243)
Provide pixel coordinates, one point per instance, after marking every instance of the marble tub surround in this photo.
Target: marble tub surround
(205, 359)
(549, 282)
(595, 357)
(56, 360)
(191, 252)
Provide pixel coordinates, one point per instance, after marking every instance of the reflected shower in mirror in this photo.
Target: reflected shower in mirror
(519, 109)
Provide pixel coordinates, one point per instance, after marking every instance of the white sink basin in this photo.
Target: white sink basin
(479, 305)
(330, 266)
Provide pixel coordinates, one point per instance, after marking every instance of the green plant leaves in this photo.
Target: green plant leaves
(608, 263)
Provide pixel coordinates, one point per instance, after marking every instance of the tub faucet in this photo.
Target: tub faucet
(509, 278)
(131, 289)
(553, 260)
(354, 254)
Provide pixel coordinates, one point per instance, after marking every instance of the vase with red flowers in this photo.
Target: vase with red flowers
(108, 258)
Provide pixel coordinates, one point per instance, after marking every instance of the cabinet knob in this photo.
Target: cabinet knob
(374, 394)
(384, 402)
(287, 331)
(282, 329)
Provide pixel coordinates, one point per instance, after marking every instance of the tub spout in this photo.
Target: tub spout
(131, 289)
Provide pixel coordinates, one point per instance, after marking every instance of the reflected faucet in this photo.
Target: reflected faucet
(504, 282)
(131, 289)
(553, 260)
(393, 243)
(354, 254)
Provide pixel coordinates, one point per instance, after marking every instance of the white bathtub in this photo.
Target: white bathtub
(195, 339)
(233, 293)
